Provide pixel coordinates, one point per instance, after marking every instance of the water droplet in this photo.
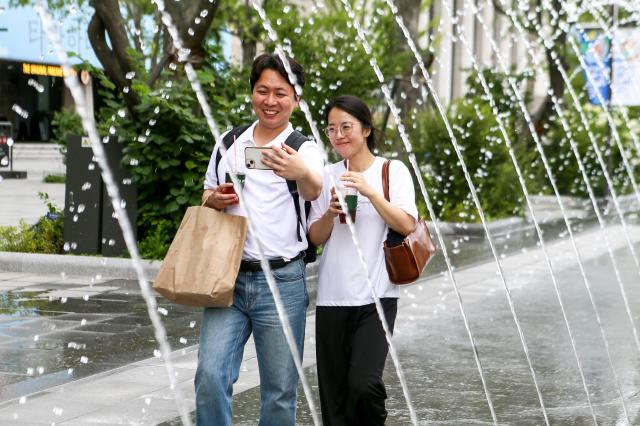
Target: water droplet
(84, 359)
(23, 399)
(66, 247)
(29, 371)
(57, 411)
(147, 401)
(70, 371)
(21, 112)
(40, 370)
(183, 340)
(133, 162)
(191, 31)
(204, 13)
(85, 297)
(126, 90)
(192, 324)
(74, 245)
(86, 186)
(122, 113)
(63, 300)
(112, 242)
(156, 109)
(130, 75)
(157, 353)
(35, 338)
(33, 83)
(163, 311)
(83, 322)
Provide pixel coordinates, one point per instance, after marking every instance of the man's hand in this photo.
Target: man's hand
(285, 162)
(217, 199)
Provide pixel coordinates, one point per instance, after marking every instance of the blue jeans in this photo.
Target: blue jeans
(223, 334)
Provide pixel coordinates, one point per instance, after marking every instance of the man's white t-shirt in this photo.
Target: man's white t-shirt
(269, 202)
(342, 278)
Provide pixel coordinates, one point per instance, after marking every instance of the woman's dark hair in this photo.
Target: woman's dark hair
(271, 61)
(356, 107)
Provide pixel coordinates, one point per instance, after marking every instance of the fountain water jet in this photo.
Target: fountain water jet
(89, 126)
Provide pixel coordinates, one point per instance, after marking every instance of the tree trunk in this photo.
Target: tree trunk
(184, 16)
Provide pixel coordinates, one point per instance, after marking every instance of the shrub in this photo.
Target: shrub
(46, 236)
(55, 178)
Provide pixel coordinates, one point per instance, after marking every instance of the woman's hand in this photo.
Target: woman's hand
(356, 180)
(334, 205)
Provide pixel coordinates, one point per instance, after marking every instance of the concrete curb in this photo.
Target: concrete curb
(107, 267)
(477, 230)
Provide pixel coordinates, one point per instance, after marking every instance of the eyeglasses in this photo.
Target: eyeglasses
(345, 129)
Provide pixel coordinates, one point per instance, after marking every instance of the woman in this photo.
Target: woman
(351, 345)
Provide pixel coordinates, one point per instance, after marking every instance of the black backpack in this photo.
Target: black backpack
(295, 140)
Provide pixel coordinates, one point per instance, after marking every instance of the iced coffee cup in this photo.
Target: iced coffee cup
(351, 200)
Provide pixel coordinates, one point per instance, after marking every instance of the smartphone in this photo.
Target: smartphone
(253, 157)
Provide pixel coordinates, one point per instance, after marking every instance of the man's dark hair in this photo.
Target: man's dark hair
(272, 61)
(357, 108)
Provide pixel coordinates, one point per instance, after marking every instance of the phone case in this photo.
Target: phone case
(253, 158)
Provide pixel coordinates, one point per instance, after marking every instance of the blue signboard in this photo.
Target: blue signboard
(23, 39)
(595, 48)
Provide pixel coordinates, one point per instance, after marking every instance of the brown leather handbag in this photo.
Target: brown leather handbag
(406, 257)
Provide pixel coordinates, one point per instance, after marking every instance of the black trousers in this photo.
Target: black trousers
(351, 350)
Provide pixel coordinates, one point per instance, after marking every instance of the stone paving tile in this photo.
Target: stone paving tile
(38, 278)
(49, 410)
(108, 390)
(157, 375)
(5, 276)
(14, 284)
(88, 317)
(70, 293)
(80, 280)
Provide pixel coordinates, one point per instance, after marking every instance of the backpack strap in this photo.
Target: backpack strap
(227, 141)
(295, 141)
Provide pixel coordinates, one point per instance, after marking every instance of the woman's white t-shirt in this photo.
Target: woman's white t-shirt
(342, 278)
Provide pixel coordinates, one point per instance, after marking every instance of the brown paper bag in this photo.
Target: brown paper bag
(202, 264)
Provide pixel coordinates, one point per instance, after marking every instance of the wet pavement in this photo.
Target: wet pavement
(82, 352)
(56, 329)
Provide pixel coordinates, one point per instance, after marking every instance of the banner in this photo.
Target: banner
(595, 47)
(625, 85)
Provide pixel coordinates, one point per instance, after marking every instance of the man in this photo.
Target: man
(224, 331)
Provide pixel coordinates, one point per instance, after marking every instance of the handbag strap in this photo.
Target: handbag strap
(385, 179)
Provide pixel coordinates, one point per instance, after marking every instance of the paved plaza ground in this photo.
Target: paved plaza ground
(80, 350)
